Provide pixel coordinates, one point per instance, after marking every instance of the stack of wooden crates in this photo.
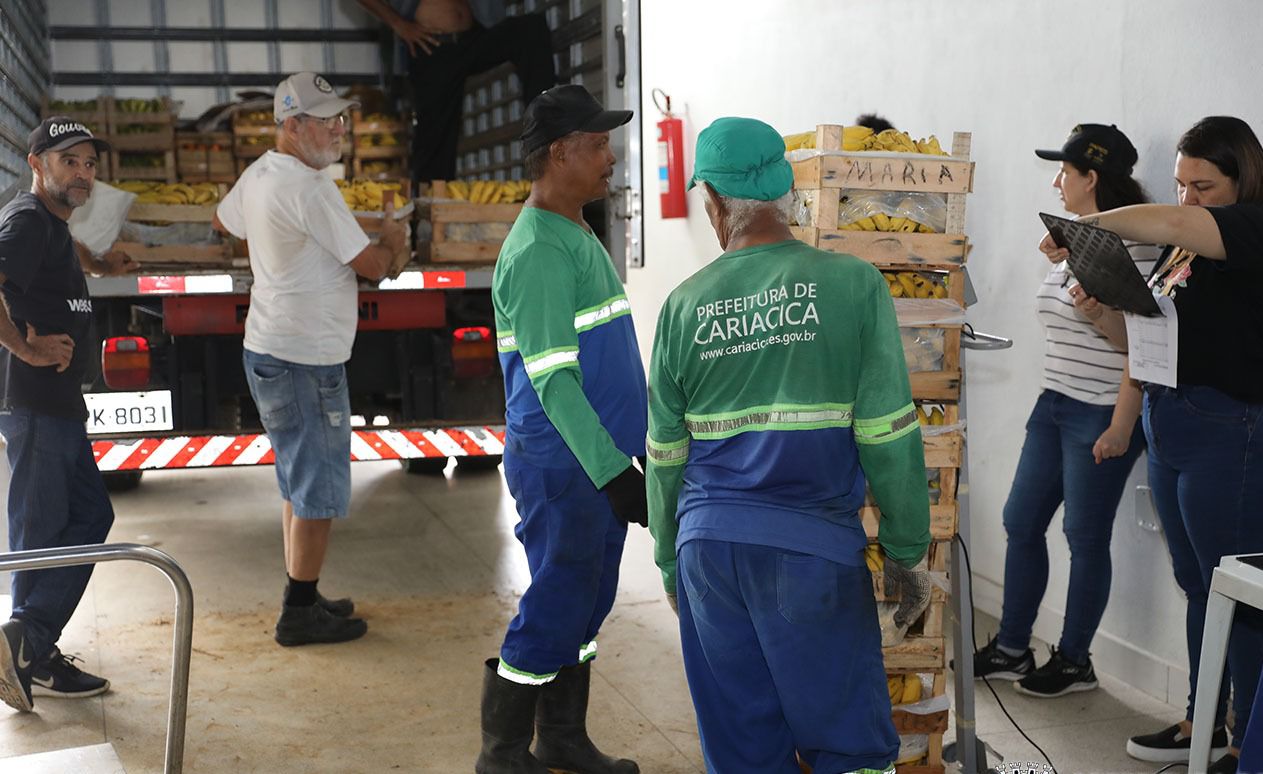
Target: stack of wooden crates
(824, 179)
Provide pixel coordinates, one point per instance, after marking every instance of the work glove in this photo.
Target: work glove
(913, 587)
(674, 603)
(627, 497)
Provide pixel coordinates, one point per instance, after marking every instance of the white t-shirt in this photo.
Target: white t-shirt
(1078, 360)
(302, 238)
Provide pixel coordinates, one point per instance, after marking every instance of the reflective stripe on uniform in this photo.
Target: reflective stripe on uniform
(674, 453)
(551, 360)
(523, 678)
(587, 651)
(777, 417)
(584, 320)
(601, 313)
(891, 427)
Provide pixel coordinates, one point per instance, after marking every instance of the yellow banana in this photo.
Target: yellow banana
(909, 287)
(911, 692)
(882, 222)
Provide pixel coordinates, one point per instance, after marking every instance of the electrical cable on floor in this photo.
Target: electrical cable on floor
(1169, 766)
(974, 638)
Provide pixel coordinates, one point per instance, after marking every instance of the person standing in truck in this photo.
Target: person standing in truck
(306, 250)
(57, 496)
(448, 41)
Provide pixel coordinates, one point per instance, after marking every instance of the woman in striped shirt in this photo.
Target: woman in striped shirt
(1082, 440)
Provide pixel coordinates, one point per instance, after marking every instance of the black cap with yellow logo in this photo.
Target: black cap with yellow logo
(1096, 146)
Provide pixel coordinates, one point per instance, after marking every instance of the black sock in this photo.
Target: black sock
(300, 593)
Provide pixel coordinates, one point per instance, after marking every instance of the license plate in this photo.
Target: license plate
(128, 412)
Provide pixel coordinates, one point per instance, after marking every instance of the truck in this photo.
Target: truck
(424, 379)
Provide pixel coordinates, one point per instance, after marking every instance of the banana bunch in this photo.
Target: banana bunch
(72, 105)
(873, 557)
(911, 284)
(882, 222)
(376, 140)
(366, 195)
(375, 168)
(170, 193)
(903, 689)
(138, 128)
(934, 416)
(147, 160)
(139, 105)
(489, 191)
(861, 138)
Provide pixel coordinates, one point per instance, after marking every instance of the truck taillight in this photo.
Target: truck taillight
(473, 353)
(125, 362)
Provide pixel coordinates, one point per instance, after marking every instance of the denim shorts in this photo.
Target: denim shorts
(306, 411)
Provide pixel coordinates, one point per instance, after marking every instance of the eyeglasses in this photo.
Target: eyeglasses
(330, 123)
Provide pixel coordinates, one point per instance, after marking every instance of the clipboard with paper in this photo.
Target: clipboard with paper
(1102, 265)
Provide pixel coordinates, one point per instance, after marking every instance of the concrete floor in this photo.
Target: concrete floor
(433, 565)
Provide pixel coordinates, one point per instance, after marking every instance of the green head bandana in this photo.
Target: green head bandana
(743, 158)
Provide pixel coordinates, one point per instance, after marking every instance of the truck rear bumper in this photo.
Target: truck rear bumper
(211, 451)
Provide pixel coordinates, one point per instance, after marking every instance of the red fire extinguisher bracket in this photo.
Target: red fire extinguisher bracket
(670, 160)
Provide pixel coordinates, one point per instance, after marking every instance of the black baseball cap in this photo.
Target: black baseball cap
(57, 133)
(564, 109)
(1096, 146)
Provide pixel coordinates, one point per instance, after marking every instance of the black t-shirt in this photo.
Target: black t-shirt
(1220, 309)
(45, 287)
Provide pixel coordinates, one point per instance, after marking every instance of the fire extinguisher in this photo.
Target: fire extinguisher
(670, 160)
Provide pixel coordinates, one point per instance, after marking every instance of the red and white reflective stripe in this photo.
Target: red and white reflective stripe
(211, 451)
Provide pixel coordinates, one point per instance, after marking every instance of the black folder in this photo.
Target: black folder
(1102, 265)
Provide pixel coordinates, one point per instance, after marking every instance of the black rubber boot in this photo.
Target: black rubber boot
(561, 724)
(508, 718)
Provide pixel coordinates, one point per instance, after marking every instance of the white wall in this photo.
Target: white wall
(1019, 76)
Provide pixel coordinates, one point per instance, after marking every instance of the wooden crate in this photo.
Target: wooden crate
(94, 116)
(360, 124)
(443, 215)
(129, 171)
(176, 213)
(220, 254)
(205, 157)
(158, 123)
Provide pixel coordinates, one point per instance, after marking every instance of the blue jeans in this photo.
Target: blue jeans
(57, 498)
(782, 652)
(1206, 472)
(1057, 467)
(306, 411)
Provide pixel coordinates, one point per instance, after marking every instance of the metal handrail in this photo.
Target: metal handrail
(182, 647)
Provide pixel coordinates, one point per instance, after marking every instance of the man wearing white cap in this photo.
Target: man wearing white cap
(306, 250)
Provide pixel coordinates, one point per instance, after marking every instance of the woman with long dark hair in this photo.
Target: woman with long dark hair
(1206, 433)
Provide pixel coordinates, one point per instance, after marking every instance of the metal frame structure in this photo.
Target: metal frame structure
(182, 646)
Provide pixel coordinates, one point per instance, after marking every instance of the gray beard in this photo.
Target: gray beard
(62, 195)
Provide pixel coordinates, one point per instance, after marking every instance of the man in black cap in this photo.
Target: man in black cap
(57, 496)
(575, 421)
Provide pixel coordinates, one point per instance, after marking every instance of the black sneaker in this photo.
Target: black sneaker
(993, 663)
(1225, 765)
(312, 623)
(15, 667)
(342, 608)
(1057, 678)
(1170, 744)
(58, 677)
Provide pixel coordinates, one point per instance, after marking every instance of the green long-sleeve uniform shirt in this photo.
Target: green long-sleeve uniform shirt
(777, 388)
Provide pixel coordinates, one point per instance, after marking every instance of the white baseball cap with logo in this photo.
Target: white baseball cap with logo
(310, 94)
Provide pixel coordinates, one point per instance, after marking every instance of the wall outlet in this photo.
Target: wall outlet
(1146, 511)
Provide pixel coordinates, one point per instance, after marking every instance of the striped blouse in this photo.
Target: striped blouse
(1079, 361)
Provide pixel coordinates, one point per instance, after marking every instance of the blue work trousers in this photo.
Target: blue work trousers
(574, 544)
(1206, 473)
(57, 498)
(783, 654)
